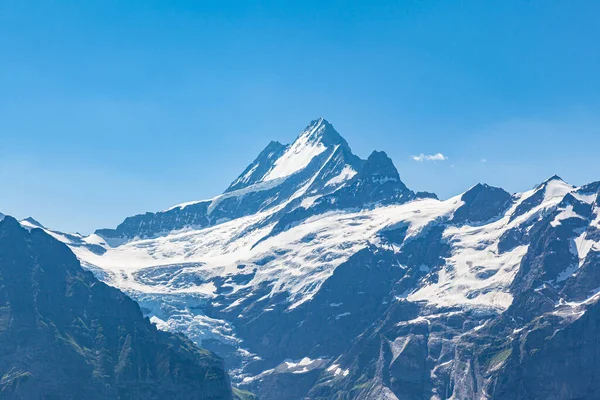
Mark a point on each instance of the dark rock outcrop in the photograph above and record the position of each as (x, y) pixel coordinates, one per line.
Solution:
(65, 335)
(482, 203)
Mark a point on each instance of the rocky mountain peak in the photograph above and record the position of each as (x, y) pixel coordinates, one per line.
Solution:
(9, 225)
(379, 168)
(30, 221)
(554, 179)
(320, 130)
(482, 203)
(278, 161)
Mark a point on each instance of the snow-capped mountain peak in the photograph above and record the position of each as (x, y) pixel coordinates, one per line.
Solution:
(313, 256)
(317, 163)
(552, 178)
(300, 153)
(277, 161)
(31, 222)
(321, 130)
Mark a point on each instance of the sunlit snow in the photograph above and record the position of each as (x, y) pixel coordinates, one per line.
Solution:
(299, 154)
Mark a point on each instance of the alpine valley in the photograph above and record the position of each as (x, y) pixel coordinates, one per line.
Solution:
(320, 275)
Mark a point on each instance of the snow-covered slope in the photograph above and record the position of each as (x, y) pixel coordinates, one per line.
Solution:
(477, 272)
(297, 261)
(312, 256)
(297, 156)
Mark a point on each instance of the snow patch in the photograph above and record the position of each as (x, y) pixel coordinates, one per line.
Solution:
(346, 174)
(307, 202)
(336, 370)
(342, 315)
(476, 273)
(565, 214)
(306, 147)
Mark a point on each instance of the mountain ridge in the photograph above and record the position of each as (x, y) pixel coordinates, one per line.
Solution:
(338, 280)
(319, 160)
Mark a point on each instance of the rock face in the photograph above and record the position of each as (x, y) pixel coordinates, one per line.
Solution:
(482, 203)
(544, 364)
(318, 275)
(65, 335)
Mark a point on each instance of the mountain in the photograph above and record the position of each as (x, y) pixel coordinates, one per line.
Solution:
(64, 334)
(318, 162)
(319, 275)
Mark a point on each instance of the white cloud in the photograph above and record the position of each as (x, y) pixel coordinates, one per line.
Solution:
(483, 160)
(430, 157)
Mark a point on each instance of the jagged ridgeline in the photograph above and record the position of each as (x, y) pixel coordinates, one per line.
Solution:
(321, 275)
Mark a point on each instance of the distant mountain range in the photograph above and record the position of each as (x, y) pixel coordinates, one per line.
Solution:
(320, 275)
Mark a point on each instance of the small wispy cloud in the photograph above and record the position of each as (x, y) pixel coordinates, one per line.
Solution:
(483, 160)
(429, 157)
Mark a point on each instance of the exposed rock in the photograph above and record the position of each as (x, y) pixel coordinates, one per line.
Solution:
(64, 334)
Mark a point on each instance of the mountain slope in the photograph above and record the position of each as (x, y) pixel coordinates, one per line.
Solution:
(63, 334)
(319, 275)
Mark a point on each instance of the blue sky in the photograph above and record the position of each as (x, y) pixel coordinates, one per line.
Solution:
(109, 109)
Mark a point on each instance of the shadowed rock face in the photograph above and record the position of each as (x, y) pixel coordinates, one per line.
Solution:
(554, 364)
(65, 335)
(259, 167)
(378, 182)
(482, 203)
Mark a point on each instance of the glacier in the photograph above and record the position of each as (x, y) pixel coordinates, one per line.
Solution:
(314, 260)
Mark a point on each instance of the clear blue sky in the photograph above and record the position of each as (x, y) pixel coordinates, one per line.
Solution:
(110, 108)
